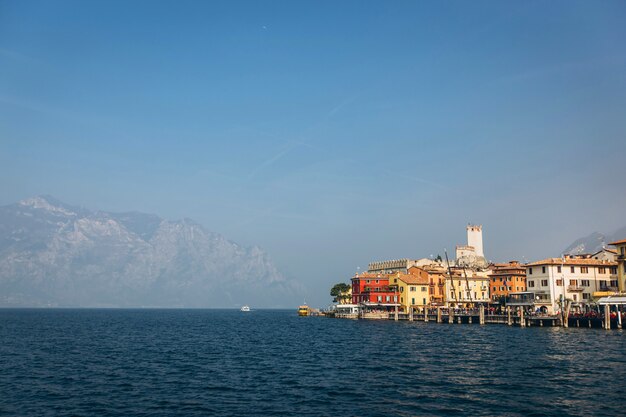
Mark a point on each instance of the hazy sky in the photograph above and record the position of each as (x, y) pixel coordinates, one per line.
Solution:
(329, 133)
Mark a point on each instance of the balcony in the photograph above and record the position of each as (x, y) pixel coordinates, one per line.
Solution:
(542, 299)
(621, 257)
(574, 288)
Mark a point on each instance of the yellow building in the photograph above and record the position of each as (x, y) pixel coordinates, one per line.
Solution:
(620, 245)
(412, 289)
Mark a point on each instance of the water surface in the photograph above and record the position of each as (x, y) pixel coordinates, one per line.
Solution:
(262, 363)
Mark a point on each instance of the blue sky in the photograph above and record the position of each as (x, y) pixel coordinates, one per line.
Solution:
(329, 133)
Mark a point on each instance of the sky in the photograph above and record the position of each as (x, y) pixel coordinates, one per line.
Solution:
(329, 133)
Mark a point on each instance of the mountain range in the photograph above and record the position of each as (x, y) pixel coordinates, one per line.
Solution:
(594, 242)
(54, 254)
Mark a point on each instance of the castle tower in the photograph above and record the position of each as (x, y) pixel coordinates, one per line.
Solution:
(475, 238)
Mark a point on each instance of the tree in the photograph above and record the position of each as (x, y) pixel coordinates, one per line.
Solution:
(338, 291)
(438, 258)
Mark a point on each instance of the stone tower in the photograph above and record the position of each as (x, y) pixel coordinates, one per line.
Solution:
(475, 238)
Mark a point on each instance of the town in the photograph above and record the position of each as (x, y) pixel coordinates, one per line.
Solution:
(581, 290)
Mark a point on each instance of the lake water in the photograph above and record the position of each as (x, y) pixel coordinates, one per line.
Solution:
(268, 363)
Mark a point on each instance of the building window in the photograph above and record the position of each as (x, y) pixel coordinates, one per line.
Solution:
(613, 270)
(559, 282)
(558, 269)
(602, 270)
(574, 297)
(572, 269)
(376, 281)
(451, 294)
(613, 283)
(584, 270)
(586, 296)
(573, 282)
(380, 298)
(412, 289)
(413, 301)
(530, 271)
(543, 269)
(531, 284)
(544, 282)
(584, 282)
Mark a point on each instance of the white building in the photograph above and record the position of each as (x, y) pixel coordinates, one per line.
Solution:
(577, 278)
(466, 288)
(472, 255)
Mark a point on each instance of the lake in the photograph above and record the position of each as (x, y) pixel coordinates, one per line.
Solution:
(269, 362)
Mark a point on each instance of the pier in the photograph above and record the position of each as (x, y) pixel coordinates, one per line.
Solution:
(478, 316)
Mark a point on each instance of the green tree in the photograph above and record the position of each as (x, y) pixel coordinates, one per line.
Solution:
(338, 291)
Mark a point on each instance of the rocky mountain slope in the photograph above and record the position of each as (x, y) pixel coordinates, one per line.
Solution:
(594, 242)
(52, 254)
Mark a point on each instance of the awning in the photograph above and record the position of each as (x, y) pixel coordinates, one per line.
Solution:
(613, 300)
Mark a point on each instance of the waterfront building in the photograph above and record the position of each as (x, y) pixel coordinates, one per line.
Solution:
(620, 245)
(506, 278)
(369, 288)
(412, 289)
(436, 284)
(579, 278)
(467, 288)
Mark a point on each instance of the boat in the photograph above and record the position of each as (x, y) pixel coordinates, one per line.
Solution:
(304, 310)
(245, 308)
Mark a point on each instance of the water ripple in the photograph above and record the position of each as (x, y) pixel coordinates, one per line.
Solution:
(212, 362)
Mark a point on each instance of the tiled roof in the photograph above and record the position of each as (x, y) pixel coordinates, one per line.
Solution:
(619, 242)
(570, 261)
(413, 279)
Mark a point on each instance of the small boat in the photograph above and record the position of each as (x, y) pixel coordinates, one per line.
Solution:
(245, 308)
(304, 310)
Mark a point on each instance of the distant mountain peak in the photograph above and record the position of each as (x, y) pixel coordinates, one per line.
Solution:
(53, 254)
(46, 203)
(594, 242)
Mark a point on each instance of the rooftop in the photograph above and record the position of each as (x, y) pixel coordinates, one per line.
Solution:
(573, 261)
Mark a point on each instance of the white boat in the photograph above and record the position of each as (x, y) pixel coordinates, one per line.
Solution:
(245, 308)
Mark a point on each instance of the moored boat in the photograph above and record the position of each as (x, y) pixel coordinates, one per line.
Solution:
(304, 310)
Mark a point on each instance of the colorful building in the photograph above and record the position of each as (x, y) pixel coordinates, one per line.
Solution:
(412, 289)
(368, 288)
(436, 284)
(506, 278)
(620, 245)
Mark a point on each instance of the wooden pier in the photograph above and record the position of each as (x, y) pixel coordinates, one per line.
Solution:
(473, 318)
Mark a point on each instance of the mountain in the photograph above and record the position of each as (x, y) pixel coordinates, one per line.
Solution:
(595, 242)
(54, 254)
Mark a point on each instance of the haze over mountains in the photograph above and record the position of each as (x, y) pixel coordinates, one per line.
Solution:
(595, 242)
(53, 254)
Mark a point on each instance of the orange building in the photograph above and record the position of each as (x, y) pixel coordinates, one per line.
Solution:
(506, 278)
(436, 284)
